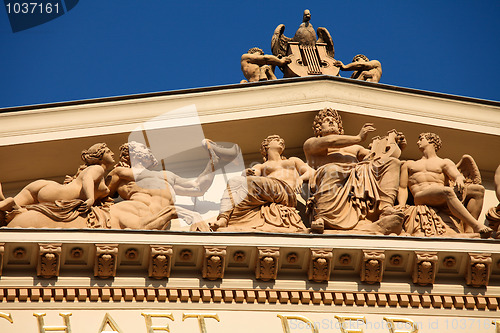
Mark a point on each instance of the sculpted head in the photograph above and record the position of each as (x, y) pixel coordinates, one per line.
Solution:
(264, 147)
(401, 140)
(432, 138)
(256, 50)
(135, 152)
(307, 16)
(326, 122)
(96, 154)
(360, 58)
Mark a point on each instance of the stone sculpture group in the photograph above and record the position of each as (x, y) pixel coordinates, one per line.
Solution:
(308, 52)
(352, 190)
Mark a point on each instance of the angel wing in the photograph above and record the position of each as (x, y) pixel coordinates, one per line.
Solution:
(279, 42)
(324, 37)
(468, 167)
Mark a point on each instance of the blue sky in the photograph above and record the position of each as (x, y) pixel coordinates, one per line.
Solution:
(117, 47)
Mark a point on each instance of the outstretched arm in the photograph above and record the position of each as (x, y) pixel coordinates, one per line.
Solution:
(196, 187)
(265, 59)
(359, 66)
(320, 144)
(403, 185)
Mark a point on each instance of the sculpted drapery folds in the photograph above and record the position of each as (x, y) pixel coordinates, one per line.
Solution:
(63, 202)
(432, 181)
(149, 195)
(265, 199)
(353, 187)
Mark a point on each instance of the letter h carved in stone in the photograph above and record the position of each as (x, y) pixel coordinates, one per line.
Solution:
(266, 267)
(478, 269)
(320, 265)
(160, 261)
(106, 258)
(214, 262)
(372, 266)
(49, 260)
(425, 268)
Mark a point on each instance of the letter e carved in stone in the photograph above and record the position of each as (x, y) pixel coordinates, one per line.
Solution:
(214, 261)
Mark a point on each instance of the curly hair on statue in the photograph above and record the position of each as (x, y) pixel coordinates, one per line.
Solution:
(326, 112)
(362, 56)
(432, 138)
(265, 145)
(91, 156)
(133, 151)
(256, 49)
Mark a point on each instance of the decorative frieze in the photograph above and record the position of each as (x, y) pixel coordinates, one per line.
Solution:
(266, 267)
(248, 296)
(214, 261)
(372, 266)
(49, 260)
(106, 259)
(424, 267)
(320, 265)
(478, 269)
(160, 261)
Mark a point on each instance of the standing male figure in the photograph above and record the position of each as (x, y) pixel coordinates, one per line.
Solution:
(364, 69)
(428, 180)
(347, 188)
(256, 66)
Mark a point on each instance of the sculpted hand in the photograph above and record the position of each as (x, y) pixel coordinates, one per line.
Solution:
(367, 128)
(85, 206)
(338, 63)
(459, 184)
(287, 60)
(298, 187)
(249, 172)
